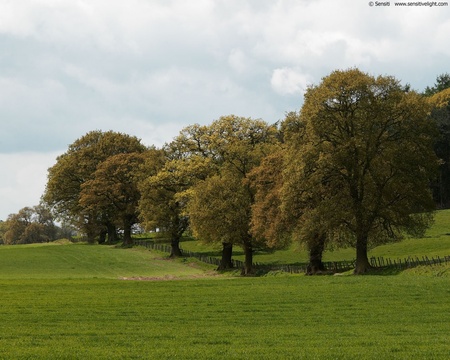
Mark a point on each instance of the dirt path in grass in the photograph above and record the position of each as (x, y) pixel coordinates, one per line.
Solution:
(172, 277)
(168, 277)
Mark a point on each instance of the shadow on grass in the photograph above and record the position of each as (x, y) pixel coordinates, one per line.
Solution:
(384, 271)
(274, 267)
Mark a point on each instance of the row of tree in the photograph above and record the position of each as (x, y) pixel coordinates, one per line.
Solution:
(32, 225)
(352, 168)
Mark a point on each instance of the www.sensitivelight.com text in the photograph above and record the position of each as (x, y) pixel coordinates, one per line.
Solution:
(412, 3)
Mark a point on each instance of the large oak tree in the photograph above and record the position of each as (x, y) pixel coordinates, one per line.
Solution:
(220, 205)
(367, 154)
(161, 205)
(77, 166)
(439, 98)
(281, 219)
(113, 191)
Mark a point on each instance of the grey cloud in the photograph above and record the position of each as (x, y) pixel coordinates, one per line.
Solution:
(150, 68)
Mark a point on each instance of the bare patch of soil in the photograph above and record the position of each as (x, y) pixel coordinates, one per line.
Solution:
(170, 277)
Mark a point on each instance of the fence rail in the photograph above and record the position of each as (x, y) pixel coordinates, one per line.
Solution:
(408, 262)
(332, 266)
(152, 245)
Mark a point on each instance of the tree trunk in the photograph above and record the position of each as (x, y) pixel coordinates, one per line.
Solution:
(90, 228)
(127, 240)
(175, 251)
(248, 262)
(90, 234)
(316, 249)
(227, 252)
(102, 237)
(362, 261)
(112, 233)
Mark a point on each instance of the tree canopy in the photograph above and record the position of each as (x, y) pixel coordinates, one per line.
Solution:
(30, 225)
(439, 99)
(160, 205)
(77, 166)
(366, 155)
(219, 208)
(442, 83)
(113, 191)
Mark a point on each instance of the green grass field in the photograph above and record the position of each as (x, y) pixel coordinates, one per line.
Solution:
(79, 261)
(100, 302)
(397, 317)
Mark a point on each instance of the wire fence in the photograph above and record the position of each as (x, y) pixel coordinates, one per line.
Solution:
(330, 266)
(333, 266)
(409, 262)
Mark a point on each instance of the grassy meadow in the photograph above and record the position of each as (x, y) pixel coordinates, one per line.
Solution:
(75, 301)
(79, 261)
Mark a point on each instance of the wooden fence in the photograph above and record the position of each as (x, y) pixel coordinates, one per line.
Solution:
(154, 246)
(204, 258)
(331, 266)
(334, 266)
(409, 262)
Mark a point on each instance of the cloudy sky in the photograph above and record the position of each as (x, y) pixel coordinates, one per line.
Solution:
(151, 67)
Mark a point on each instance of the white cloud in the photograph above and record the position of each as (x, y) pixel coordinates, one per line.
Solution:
(239, 61)
(440, 38)
(23, 180)
(151, 67)
(288, 81)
